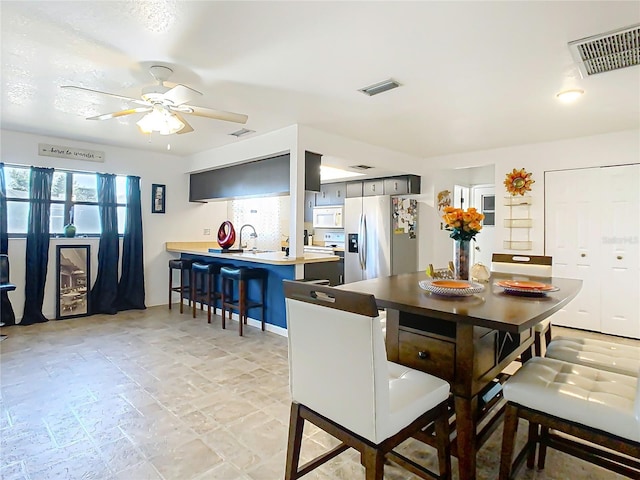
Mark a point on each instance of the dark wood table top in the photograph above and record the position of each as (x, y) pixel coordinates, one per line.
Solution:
(491, 308)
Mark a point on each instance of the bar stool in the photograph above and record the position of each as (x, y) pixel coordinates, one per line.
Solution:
(242, 276)
(183, 265)
(203, 286)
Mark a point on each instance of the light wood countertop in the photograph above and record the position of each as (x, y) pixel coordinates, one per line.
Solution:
(271, 258)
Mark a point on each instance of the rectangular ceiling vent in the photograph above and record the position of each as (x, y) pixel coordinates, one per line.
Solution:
(360, 167)
(608, 51)
(377, 88)
(241, 132)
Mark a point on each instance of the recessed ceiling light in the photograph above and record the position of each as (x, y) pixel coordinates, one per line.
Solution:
(379, 87)
(568, 96)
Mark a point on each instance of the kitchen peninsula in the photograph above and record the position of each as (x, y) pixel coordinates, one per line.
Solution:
(278, 265)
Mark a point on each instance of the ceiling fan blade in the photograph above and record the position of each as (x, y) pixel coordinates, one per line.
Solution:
(181, 94)
(121, 113)
(187, 128)
(122, 97)
(218, 114)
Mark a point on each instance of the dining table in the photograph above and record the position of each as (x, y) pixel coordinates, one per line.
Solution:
(467, 338)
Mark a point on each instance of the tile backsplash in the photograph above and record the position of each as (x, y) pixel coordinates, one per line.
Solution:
(268, 215)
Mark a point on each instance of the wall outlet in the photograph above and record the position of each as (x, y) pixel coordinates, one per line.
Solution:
(207, 231)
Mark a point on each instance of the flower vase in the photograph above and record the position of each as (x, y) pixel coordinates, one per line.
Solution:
(462, 258)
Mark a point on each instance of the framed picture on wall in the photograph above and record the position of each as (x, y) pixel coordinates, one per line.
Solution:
(157, 198)
(73, 278)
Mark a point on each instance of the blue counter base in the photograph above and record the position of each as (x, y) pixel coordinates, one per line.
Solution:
(275, 309)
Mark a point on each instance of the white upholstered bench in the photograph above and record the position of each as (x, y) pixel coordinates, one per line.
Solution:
(603, 355)
(599, 407)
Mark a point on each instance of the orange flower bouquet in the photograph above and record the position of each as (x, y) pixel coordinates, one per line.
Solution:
(463, 225)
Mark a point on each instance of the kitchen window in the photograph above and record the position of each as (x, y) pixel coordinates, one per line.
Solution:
(70, 191)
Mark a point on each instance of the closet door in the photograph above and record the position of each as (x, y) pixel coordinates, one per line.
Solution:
(592, 231)
(620, 244)
(572, 238)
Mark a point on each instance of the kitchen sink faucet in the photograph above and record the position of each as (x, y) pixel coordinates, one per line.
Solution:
(252, 235)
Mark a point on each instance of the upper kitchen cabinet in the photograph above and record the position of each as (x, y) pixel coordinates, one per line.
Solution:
(354, 189)
(331, 194)
(309, 203)
(269, 176)
(403, 185)
(373, 187)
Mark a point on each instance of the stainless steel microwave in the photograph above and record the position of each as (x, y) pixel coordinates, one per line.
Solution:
(328, 217)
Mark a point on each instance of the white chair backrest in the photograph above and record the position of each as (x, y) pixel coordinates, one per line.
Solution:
(337, 358)
(530, 265)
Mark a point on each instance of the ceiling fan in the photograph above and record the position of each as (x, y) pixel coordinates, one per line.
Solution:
(164, 106)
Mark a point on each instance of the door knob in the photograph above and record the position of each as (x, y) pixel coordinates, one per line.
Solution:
(619, 257)
(583, 255)
(423, 355)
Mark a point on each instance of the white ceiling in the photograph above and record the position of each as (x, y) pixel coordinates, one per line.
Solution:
(474, 75)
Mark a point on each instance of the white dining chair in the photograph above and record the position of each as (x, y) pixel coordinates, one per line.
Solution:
(589, 413)
(527, 266)
(341, 381)
(601, 354)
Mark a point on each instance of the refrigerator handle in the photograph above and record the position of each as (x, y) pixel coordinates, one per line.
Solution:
(360, 237)
(364, 242)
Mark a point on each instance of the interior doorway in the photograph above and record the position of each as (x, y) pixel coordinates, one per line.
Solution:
(483, 198)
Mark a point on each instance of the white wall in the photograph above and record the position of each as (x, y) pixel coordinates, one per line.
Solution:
(183, 221)
(252, 148)
(619, 148)
(439, 173)
(268, 145)
(333, 145)
(186, 222)
(436, 247)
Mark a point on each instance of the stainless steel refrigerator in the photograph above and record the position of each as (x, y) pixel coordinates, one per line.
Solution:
(378, 242)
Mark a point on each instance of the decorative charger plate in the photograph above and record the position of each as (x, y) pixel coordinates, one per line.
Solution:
(449, 284)
(451, 288)
(526, 288)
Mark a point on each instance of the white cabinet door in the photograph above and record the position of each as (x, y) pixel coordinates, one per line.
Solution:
(620, 258)
(572, 238)
(592, 231)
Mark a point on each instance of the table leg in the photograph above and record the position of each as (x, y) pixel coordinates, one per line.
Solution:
(466, 403)
(466, 436)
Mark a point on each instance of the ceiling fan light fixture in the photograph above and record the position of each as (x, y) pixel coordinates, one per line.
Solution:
(160, 120)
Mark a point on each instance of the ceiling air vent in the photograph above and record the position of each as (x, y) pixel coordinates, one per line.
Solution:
(608, 51)
(379, 87)
(242, 132)
(360, 167)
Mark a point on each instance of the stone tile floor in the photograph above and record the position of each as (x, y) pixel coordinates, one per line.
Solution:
(155, 395)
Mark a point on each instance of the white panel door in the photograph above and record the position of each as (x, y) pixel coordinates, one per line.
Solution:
(572, 238)
(620, 257)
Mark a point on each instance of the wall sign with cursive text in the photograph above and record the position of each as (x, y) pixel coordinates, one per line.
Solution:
(46, 150)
